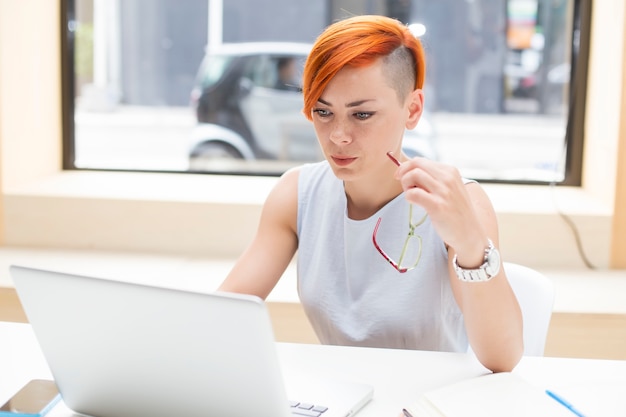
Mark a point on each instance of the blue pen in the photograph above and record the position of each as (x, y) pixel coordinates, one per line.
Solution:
(563, 402)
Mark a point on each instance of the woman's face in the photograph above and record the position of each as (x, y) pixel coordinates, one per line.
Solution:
(359, 118)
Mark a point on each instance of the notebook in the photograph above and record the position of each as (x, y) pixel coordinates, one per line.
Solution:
(490, 395)
(118, 349)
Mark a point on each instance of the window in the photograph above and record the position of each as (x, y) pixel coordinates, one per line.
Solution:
(195, 87)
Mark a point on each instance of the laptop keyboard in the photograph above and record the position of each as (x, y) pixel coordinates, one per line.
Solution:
(306, 409)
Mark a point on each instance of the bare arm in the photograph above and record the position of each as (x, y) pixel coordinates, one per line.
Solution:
(264, 261)
(465, 219)
(492, 315)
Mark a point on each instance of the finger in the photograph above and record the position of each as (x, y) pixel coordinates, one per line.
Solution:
(415, 178)
(441, 178)
(418, 175)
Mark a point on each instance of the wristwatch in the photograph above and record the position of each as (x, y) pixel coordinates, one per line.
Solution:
(489, 268)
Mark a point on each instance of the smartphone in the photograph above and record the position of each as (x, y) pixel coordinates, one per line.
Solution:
(35, 399)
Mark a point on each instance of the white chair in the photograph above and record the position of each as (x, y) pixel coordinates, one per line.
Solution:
(535, 295)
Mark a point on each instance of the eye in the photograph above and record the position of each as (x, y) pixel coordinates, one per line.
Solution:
(322, 112)
(362, 115)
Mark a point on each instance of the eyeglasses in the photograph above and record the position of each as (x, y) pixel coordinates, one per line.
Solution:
(412, 248)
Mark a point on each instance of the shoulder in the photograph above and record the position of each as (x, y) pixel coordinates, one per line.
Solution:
(300, 176)
(294, 190)
(281, 205)
(479, 197)
(286, 188)
(475, 189)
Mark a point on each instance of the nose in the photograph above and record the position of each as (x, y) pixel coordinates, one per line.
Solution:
(339, 134)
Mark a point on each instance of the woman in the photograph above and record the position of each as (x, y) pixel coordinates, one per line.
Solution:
(392, 251)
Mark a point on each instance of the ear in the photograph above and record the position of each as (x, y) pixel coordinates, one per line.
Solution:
(415, 103)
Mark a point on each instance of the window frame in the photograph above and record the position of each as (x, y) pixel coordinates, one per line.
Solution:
(68, 148)
(575, 119)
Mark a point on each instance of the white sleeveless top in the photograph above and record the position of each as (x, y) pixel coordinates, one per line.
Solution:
(350, 293)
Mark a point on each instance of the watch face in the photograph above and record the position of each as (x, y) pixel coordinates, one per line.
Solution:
(493, 262)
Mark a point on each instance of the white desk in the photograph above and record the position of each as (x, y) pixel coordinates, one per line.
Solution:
(596, 387)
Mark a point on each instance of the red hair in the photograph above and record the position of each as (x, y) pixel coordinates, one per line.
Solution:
(357, 41)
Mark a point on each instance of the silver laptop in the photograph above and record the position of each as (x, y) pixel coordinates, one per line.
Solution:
(118, 349)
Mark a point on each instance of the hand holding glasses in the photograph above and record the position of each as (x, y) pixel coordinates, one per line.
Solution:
(412, 248)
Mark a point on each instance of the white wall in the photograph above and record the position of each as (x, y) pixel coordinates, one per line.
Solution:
(215, 216)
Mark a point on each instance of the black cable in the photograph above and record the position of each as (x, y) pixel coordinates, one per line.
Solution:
(574, 85)
(572, 226)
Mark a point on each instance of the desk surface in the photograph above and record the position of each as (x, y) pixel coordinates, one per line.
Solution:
(596, 387)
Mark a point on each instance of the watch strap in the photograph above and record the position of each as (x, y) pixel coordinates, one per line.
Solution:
(484, 272)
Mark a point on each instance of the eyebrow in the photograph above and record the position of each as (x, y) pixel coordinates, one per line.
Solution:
(353, 104)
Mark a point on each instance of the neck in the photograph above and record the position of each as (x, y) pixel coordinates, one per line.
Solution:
(366, 197)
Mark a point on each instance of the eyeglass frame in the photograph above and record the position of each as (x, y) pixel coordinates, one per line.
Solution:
(410, 234)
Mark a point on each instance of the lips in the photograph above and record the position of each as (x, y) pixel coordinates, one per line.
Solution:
(343, 160)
